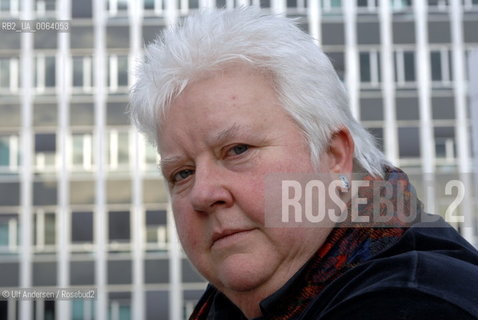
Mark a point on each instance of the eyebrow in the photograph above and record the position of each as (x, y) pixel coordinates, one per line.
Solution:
(218, 138)
(164, 162)
(227, 134)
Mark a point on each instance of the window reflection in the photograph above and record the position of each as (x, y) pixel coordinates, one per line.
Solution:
(9, 234)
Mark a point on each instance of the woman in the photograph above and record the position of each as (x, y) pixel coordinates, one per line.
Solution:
(231, 98)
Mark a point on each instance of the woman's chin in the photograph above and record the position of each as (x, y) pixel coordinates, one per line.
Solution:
(242, 273)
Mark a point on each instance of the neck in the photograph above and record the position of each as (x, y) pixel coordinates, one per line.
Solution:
(248, 301)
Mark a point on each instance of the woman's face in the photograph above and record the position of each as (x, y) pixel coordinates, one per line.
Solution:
(219, 140)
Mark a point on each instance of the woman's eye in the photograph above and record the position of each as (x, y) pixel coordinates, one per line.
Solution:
(238, 149)
(181, 175)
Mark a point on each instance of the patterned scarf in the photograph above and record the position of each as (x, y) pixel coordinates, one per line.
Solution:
(344, 248)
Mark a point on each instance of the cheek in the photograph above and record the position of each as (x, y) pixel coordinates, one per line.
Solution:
(250, 196)
(188, 230)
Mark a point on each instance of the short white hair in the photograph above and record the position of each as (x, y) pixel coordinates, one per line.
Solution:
(302, 76)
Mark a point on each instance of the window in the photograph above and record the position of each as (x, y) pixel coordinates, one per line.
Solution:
(401, 5)
(470, 4)
(9, 153)
(45, 150)
(445, 146)
(9, 74)
(81, 230)
(154, 7)
(119, 306)
(82, 151)
(118, 72)
(299, 5)
(331, 6)
(438, 5)
(45, 72)
(409, 142)
(9, 232)
(193, 4)
(44, 233)
(441, 72)
(370, 67)
(117, 7)
(10, 7)
(118, 149)
(156, 229)
(338, 60)
(367, 5)
(45, 7)
(119, 227)
(82, 309)
(404, 63)
(82, 73)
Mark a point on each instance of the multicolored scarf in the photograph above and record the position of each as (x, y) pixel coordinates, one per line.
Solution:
(344, 249)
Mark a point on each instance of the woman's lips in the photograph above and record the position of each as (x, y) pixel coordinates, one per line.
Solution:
(229, 237)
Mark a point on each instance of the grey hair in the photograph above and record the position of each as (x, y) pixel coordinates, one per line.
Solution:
(303, 77)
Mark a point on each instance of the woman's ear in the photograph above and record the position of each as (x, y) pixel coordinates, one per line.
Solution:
(340, 151)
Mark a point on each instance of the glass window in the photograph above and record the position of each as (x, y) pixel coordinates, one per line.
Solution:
(331, 6)
(378, 135)
(154, 6)
(81, 9)
(45, 192)
(44, 230)
(367, 5)
(470, 4)
(119, 306)
(409, 142)
(82, 309)
(82, 151)
(4, 5)
(445, 146)
(118, 149)
(45, 150)
(9, 153)
(5, 73)
(9, 232)
(149, 4)
(81, 227)
(83, 73)
(338, 60)
(9, 193)
(44, 7)
(45, 69)
(156, 229)
(193, 4)
(118, 72)
(401, 5)
(441, 71)
(44, 309)
(9, 74)
(117, 7)
(370, 67)
(438, 4)
(119, 226)
(404, 63)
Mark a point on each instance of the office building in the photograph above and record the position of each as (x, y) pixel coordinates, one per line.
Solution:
(82, 203)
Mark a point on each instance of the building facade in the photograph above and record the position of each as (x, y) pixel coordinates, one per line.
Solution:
(82, 203)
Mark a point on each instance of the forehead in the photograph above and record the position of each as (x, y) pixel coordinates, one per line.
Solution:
(237, 92)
